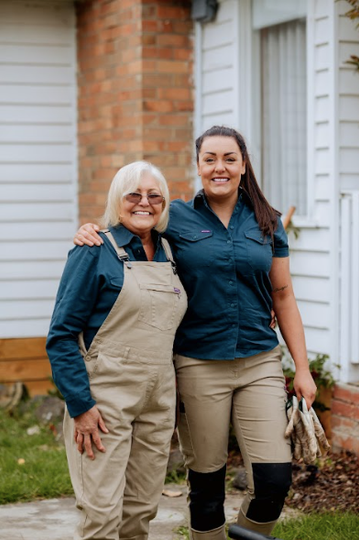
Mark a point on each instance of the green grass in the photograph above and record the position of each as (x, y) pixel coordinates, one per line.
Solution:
(43, 474)
(327, 526)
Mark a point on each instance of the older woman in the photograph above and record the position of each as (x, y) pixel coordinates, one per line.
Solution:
(110, 347)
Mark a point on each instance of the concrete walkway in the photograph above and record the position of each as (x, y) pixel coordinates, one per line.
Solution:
(55, 519)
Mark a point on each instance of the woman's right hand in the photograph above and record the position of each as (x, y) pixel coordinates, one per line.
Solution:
(87, 235)
(86, 432)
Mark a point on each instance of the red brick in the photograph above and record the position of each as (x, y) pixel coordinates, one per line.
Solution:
(129, 109)
(171, 67)
(346, 393)
(158, 106)
(171, 12)
(345, 409)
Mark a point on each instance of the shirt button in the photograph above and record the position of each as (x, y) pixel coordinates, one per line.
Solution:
(233, 325)
(230, 282)
(233, 305)
(231, 227)
(229, 241)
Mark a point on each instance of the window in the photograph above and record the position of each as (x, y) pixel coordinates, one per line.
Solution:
(281, 38)
(283, 104)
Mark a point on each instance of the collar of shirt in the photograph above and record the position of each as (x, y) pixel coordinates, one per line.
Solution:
(124, 236)
(200, 198)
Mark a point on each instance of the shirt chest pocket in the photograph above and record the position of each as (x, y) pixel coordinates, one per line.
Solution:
(259, 250)
(160, 306)
(197, 247)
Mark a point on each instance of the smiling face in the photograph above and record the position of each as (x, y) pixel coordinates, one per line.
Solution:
(141, 217)
(220, 165)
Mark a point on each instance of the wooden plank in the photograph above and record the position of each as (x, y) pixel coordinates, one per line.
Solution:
(42, 134)
(24, 370)
(346, 50)
(306, 263)
(36, 250)
(321, 135)
(349, 159)
(50, 94)
(221, 102)
(47, 35)
(321, 31)
(20, 310)
(36, 289)
(37, 14)
(321, 57)
(36, 153)
(20, 270)
(61, 192)
(321, 83)
(35, 54)
(38, 173)
(311, 289)
(311, 240)
(36, 114)
(321, 108)
(219, 80)
(218, 35)
(349, 133)
(220, 58)
(24, 328)
(15, 349)
(39, 388)
(349, 108)
(47, 211)
(36, 74)
(346, 29)
(50, 231)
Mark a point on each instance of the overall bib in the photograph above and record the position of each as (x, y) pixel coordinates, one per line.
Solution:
(132, 379)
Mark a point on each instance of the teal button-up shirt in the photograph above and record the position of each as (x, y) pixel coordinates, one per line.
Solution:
(225, 272)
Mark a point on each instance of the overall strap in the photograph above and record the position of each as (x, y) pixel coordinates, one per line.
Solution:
(169, 255)
(121, 253)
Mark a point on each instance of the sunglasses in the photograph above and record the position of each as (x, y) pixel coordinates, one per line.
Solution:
(153, 198)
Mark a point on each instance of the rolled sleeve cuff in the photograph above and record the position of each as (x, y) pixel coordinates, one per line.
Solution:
(77, 405)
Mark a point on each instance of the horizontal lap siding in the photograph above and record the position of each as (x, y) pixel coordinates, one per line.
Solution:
(218, 69)
(38, 212)
(348, 106)
(310, 253)
(38, 176)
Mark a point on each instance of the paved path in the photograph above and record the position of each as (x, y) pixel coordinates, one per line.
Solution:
(55, 519)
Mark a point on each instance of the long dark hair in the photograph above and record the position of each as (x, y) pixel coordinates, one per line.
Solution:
(265, 214)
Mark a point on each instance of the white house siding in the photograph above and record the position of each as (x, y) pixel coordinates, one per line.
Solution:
(38, 171)
(348, 172)
(311, 264)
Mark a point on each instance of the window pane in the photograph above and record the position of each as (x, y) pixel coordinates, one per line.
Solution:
(283, 61)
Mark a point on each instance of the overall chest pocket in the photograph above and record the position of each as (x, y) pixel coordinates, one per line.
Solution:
(259, 250)
(160, 306)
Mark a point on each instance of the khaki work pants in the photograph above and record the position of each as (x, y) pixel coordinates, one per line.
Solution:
(250, 393)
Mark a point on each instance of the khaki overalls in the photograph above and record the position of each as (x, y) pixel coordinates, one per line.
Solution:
(132, 379)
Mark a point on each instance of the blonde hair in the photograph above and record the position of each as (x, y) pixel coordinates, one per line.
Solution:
(126, 180)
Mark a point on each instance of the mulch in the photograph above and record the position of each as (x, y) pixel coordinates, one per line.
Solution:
(332, 485)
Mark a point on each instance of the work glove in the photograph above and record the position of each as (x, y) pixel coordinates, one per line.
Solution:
(308, 437)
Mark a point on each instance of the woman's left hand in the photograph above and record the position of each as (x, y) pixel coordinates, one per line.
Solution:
(304, 386)
(87, 426)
